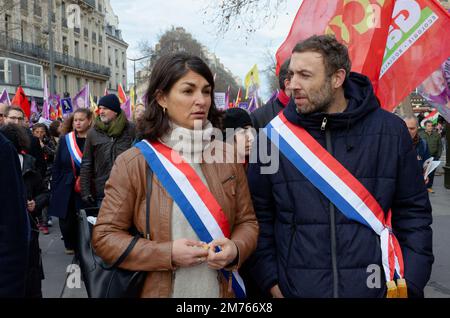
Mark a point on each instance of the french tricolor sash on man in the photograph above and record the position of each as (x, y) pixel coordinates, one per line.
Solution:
(343, 190)
(74, 150)
(197, 203)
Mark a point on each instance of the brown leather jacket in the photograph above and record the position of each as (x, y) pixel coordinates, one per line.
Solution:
(124, 205)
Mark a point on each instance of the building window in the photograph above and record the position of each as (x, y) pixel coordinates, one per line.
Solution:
(37, 35)
(65, 84)
(93, 55)
(2, 71)
(77, 49)
(24, 5)
(7, 19)
(33, 76)
(100, 60)
(37, 8)
(16, 73)
(86, 52)
(78, 84)
(65, 47)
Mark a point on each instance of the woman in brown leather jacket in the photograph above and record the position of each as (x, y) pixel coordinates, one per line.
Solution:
(181, 260)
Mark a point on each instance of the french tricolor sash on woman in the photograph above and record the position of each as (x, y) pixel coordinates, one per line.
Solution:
(197, 203)
(74, 150)
(343, 190)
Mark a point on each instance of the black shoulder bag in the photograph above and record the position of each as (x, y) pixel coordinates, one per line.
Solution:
(110, 281)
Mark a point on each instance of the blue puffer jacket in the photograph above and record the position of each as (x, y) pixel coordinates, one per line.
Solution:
(308, 246)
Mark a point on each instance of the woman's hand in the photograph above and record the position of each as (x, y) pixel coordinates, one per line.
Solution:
(187, 253)
(227, 254)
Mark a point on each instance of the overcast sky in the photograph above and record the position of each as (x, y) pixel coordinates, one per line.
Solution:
(147, 20)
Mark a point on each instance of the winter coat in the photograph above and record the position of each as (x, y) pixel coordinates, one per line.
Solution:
(100, 152)
(36, 190)
(124, 206)
(14, 223)
(63, 181)
(434, 143)
(306, 245)
(263, 115)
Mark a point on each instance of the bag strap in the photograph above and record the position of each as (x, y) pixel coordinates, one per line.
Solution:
(147, 201)
(147, 225)
(73, 167)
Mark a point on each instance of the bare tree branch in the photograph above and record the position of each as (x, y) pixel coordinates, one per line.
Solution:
(245, 15)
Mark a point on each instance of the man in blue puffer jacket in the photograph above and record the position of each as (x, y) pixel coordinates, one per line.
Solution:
(306, 246)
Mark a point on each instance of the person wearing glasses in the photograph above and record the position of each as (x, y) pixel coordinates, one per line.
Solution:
(15, 115)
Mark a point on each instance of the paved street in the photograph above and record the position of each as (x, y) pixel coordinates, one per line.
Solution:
(56, 262)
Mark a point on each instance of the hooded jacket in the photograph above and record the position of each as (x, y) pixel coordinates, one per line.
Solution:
(306, 245)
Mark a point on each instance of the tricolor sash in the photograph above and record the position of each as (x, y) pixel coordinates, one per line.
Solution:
(343, 190)
(197, 203)
(74, 150)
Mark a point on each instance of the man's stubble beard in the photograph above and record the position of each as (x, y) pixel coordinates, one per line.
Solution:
(319, 102)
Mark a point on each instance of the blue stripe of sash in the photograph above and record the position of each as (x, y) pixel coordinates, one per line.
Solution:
(185, 206)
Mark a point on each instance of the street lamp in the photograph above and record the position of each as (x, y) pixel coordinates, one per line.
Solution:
(134, 67)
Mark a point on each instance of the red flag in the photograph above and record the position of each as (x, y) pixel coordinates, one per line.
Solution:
(361, 25)
(121, 94)
(20, 99)
(418, 43)
(401, 32)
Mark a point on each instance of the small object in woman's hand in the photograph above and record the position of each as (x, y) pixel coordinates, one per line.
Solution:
(205, 246)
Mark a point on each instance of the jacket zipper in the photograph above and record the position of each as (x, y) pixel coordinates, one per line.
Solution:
(232, 177)
(332, 218)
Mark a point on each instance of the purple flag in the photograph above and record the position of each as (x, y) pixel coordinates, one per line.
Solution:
(126, 107)
(273, 97)
(34, 109)
(4, 98)
(81, 100)
(253, 104)
(436, 90)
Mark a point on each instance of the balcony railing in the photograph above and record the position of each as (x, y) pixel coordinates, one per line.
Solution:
(13, 45)
(90, 3)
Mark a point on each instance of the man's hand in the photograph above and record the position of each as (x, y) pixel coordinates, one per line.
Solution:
(276, 292)
(89, 200)
(187, 253)
(227, 254)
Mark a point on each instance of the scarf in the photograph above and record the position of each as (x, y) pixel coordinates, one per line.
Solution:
(283, 98)
(189, 143)
(114, 128)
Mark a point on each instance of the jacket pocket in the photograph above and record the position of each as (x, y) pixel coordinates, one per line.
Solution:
(229, 189)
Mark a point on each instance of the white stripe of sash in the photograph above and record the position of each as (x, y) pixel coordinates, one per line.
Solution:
(192, 196)
(328, 175)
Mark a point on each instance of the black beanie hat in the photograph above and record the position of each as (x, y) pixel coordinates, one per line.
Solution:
(236, 118)
(110, 101)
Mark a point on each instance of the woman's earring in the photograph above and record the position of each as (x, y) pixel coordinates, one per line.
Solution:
(164, 111)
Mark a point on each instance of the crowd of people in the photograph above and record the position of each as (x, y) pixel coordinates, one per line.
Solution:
(349, 181)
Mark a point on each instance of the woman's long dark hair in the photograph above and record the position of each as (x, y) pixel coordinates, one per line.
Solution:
(166, 72)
